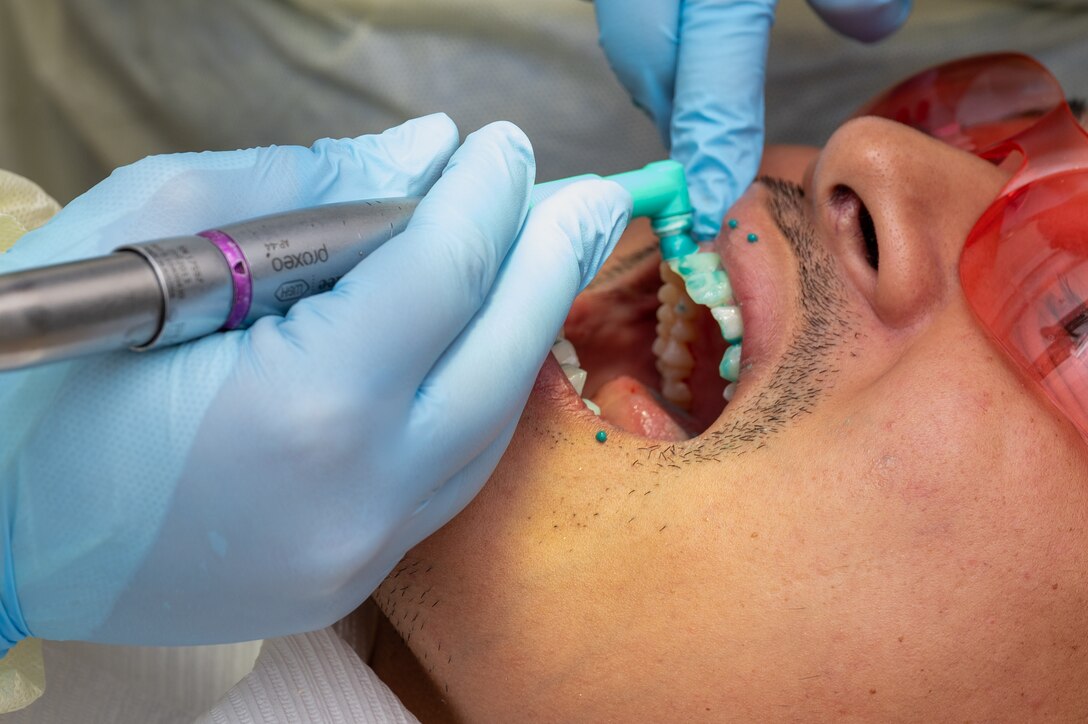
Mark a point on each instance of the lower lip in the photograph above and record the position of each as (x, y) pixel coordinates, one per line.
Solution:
(552, 383)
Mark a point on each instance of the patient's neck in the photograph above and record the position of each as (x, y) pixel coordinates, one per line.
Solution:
(397, 666)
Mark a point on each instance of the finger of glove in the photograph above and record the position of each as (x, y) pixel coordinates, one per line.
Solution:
(454, 494)
(177, 194)
(864, 20)
(640, 39)
(484, 378)
(717, 125)
(395, 313)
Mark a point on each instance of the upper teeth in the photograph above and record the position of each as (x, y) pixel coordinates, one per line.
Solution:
(728, 318)
(730, 366)
(704, 278)
(704, 282)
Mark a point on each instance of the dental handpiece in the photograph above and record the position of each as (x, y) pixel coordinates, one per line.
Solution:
(152, 294)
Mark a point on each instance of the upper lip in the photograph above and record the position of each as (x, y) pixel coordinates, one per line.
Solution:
(751, 288)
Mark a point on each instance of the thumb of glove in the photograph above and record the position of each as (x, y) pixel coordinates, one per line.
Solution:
(864, 20)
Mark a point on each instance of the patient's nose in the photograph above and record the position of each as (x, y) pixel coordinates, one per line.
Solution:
(895, 207)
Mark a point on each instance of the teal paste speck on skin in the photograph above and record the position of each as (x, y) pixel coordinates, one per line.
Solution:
(602, 436)
(733, 223)
(752, 238)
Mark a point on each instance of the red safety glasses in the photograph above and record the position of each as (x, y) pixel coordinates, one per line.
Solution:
(1024, 267)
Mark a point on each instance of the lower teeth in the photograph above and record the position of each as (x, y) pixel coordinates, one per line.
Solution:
(567, 357)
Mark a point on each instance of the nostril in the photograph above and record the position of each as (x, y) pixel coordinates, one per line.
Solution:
(868, 236)
(853, 218)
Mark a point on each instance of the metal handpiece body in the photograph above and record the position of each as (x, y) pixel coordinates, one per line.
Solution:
(169, 291)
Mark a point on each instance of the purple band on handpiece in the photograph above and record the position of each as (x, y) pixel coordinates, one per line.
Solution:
(239, 271)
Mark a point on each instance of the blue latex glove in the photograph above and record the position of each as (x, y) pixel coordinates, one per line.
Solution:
(260, 482)
(698, 68)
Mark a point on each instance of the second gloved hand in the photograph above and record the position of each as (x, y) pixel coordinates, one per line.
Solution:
(263, 481)
(698, 67)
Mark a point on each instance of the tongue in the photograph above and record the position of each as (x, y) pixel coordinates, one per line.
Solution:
(632, 406)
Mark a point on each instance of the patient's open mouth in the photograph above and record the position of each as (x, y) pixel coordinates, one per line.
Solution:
(641, 353)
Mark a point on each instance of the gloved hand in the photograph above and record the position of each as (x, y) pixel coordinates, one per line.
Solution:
(263, 481)
(698, 68)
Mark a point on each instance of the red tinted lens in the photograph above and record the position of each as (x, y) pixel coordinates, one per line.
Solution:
(1025, 273)
(972, 103)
